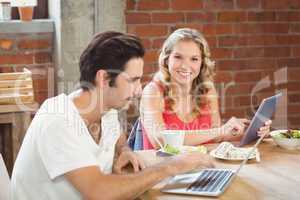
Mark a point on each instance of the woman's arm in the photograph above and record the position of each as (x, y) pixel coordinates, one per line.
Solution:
(151, 109)
(197, 137)
(214, 106)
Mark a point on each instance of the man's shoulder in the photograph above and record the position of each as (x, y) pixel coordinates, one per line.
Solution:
(56, 110)
(59, 105)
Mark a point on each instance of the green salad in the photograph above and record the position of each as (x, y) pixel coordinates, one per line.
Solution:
(292, 134)
(170, 149)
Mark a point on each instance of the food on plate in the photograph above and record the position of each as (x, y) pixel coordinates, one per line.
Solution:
(170, 149)
(287, 139)
(228, 151)
(289, 134)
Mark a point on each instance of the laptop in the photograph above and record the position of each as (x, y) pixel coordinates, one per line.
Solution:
(207, 182)
(213, 182)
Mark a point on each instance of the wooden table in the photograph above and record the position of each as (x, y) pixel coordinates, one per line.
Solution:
(276, 177)
(18, 118)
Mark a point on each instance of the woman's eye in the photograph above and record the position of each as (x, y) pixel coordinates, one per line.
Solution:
(177, 57)
(195, 59)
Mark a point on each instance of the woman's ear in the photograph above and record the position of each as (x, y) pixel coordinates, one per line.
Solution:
(101, 79)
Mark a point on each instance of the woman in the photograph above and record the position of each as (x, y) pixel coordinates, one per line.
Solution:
(182, 95)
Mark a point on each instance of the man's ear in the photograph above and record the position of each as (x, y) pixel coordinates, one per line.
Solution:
(101, 78)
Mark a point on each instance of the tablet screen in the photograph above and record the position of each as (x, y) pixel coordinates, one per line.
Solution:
(263, 114)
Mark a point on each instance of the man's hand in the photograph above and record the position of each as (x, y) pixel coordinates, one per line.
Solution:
(187, 162)
(125, 158)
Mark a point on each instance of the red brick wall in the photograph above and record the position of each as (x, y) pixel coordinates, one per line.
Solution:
(30, 50)
(249, 39)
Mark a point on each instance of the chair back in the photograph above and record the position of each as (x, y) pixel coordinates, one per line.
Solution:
(4, 181)
(135, 139)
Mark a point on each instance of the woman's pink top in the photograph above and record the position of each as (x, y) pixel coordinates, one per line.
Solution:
(172, 121)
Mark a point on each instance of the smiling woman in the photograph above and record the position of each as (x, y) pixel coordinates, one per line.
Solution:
(182, 94)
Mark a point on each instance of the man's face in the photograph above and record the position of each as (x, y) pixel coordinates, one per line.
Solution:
(127, 84)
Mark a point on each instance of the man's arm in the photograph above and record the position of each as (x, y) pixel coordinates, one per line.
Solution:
(122, 145)
(94, 185)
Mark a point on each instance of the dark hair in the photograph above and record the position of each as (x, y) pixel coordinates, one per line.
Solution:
(108, 51)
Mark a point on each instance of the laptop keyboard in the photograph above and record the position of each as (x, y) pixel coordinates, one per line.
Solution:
(211, 180)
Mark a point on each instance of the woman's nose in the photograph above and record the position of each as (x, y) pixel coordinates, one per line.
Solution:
(185, 64)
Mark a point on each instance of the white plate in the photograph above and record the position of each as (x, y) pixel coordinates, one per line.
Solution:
(235, 156)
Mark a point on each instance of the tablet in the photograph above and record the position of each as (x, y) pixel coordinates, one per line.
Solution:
(263, 114)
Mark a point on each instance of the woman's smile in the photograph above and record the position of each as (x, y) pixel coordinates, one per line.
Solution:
(184, 74)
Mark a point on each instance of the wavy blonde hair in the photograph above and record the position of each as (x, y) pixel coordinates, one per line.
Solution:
(203, 82)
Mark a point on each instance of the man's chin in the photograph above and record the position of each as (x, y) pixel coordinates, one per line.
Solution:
(125, 106)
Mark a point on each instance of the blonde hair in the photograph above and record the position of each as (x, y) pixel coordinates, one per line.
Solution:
(203, 82)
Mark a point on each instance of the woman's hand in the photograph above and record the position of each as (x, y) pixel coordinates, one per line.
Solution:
(265, 130)
(234, 129)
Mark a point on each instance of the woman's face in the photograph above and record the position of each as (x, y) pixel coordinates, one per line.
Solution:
(185, 62)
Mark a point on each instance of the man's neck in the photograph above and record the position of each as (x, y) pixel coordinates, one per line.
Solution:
(91, 108)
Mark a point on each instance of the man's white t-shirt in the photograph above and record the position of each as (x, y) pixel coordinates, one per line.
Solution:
(58, 142)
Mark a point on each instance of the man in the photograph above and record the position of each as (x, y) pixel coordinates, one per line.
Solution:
(66, 155)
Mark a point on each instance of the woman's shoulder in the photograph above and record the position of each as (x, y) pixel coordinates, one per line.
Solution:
(153, 88)
(152, 97)
(212, 95)
(208, 99)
